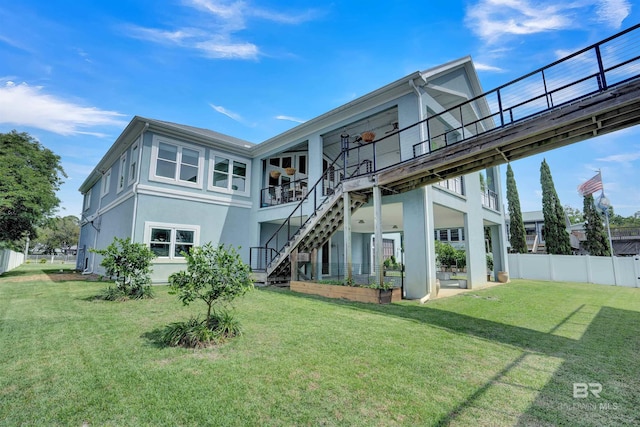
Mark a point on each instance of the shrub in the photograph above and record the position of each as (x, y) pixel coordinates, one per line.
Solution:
(215, 275)
(445, 254)
(129, 264)
(461, 258)
(42, 261)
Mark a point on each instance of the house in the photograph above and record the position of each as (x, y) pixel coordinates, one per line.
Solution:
(173, 186)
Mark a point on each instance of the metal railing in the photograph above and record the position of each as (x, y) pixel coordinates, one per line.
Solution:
(275, 195)
(592, 70)
(490, 199)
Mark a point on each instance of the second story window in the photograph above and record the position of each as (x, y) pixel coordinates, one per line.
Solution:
(177, 164)
(106, 182)
(87, 200)
(229, 175)
(122, 172)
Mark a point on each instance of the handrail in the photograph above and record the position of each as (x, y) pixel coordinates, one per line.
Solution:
(287, 222)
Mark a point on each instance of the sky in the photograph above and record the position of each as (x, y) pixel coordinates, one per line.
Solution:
(74, 73)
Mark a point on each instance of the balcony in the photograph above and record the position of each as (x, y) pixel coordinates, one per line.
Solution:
(490, 200)
(292, 191)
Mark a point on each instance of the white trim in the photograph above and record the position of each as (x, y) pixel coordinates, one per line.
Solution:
(134, 163)
(247, 178)
(180, 145)
(87, 200)
(105, 183)
(148, 225)
(193, 197)
(122, 170)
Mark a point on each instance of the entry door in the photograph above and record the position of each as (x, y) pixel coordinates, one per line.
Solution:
(325, 257)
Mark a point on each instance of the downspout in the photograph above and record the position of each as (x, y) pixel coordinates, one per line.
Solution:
(137, 182)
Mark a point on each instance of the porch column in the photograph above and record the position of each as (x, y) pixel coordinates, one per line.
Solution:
(293, 258)
(419, 246)
(499, 249)
(476, 252)
(314, 264)
(346, 200)
(377, 224)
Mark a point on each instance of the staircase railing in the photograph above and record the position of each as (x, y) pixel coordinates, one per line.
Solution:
(261, 256)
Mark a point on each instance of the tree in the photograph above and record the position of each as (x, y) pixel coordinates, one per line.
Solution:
(575, 215)
(555, 227)
(517, 234)
(30, 175)
(130, 265)
(59, 233)
(597, 243)
(215, 275)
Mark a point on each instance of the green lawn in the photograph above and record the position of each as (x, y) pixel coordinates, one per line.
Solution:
(508, 355)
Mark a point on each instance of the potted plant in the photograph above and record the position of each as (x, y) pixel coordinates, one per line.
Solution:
(368, 136)
(275, 174)
(290, 171)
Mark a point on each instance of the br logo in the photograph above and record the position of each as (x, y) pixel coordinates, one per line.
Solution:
(582, 390)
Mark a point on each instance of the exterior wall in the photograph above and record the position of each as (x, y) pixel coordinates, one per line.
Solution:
(216, 223)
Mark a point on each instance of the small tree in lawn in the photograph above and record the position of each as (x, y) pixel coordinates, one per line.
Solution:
(130, 265)
(215, 275)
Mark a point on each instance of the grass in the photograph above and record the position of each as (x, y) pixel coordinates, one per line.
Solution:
(508, 355)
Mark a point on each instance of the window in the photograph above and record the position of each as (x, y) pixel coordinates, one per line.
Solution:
(133, 164)
(106, 182)
(229, 175)
(170, 241)
(455, 235)
(122, 171)
(176, 164)
(87, 200)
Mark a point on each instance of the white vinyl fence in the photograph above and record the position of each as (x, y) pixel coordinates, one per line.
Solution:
(620, 271)
(10, 260)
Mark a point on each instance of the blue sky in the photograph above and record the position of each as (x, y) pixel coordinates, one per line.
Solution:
(73, 73)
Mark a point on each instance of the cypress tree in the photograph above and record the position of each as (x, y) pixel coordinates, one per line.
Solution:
(597, 243)
(517, 234)
(555, 229)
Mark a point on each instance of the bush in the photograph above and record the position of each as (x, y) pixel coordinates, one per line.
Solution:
(461, 258)
(42, 261)
(129, 264)
(196, 333)
(215, 275)
(445, 254)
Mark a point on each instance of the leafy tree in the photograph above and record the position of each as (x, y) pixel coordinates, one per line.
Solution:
(597, 243)
(575, 215)
(30, 175)
(555, 227)
(517, 233)
(130, 265)
(59, 233)
(215, 275)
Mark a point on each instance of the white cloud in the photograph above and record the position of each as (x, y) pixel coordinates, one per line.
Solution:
(493, 19)
(291, 119)
(213, 34)
(24, 105)
(227, 113)
(484, 67)
(621, 158)
(612, 12)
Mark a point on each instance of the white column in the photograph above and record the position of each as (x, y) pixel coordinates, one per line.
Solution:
(377, 224)
(346, 199)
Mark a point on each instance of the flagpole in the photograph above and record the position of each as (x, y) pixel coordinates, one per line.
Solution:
(606, 220)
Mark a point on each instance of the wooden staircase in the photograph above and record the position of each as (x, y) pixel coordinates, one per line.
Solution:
(314, 233)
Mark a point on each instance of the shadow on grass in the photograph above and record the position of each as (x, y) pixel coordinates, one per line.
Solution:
(154, 338)
(607, 354)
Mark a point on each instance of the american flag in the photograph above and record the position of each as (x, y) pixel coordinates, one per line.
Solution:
(591, 186)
